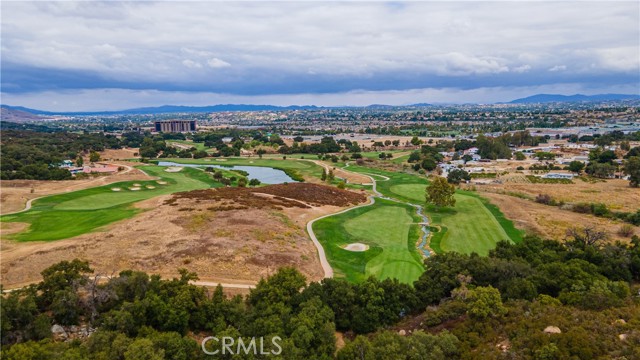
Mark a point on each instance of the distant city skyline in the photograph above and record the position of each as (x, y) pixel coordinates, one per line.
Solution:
(95, 56)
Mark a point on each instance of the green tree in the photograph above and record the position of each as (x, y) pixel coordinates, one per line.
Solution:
(94, 156)
(415, 141)
(143, 349)
(79, 161)
(440, 193)
(242, 182)
(519, 156)
(456, 176)
(576, 166)
(341, 185)
(632, 168)
(330, 176)
(323, 177)
(484, 302)
(254, 182)
(260, 152)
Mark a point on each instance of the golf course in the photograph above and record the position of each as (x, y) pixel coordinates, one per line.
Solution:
(70, 214)
(390, 229)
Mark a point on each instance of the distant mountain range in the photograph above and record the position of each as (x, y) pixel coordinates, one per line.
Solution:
(550, 98)
(17, 113)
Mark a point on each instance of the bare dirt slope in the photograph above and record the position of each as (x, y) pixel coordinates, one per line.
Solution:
(227, 235)
(15, 193)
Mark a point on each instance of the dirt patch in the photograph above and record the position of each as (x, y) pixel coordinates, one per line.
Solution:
(548, 221)
(315, 194)
(119, 154)
(217, 235)
(293, 195)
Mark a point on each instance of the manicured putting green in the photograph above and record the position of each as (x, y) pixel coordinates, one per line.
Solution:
(391, 231)
(71, 214)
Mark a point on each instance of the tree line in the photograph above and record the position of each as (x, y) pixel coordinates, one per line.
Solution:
(478, 300)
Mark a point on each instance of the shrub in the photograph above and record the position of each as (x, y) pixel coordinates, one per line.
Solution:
(599, 210)
(625, 230)
(582, 208)
(544, 199)
(341, 185)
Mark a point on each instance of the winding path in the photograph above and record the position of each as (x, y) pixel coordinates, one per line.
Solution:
(326, 267)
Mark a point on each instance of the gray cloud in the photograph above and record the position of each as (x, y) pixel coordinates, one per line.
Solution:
(233, 46)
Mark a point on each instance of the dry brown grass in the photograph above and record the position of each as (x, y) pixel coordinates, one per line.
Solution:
(550, 222)
(615, 193)
(220, 246)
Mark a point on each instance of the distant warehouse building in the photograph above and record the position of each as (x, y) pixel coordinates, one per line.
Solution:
(175, 126)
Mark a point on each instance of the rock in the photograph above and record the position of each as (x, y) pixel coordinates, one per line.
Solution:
(58, 332)
(623, 337)
(619, 322)
(552, 330)
(402, 333)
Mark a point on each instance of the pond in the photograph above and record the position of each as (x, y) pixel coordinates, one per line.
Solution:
(266, 175)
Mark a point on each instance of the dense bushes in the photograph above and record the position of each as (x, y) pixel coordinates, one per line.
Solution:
(481, 299)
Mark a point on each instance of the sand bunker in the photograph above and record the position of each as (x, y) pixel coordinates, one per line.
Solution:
(115, 189)
(357, 247)
(219, 160)
(150, 187)
(137, 185)
(173, 169)
(134, 188)
(161, 182)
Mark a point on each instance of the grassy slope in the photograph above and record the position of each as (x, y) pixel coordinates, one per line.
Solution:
(389, 228)
(66, 215)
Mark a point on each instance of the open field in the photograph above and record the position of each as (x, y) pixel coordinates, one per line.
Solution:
(551, 222)
(391, 231)
(75, 213)
(220, 237)
(615, 193)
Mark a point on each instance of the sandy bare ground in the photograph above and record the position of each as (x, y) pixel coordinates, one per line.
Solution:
(550, 222)
(235, 246)
(15, 193)
(357, 247)
(119, 154)
(615, 193)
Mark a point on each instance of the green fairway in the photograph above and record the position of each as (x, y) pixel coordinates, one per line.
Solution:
(390, 229)
(468, 227)
(473, 225)
(70, 214)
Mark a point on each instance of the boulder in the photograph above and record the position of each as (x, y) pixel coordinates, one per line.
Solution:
(58, 332)
(402, 333)
(552, 330)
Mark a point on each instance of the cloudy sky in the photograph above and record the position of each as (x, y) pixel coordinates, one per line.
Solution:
(77, 56)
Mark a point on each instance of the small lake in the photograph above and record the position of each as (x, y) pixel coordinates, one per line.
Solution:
(266, 175)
